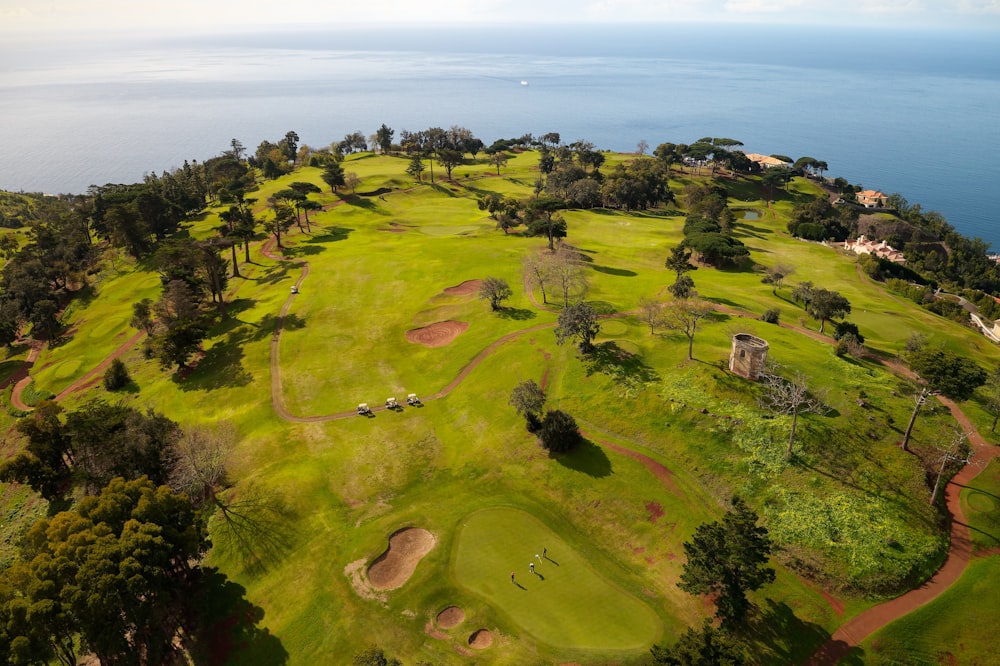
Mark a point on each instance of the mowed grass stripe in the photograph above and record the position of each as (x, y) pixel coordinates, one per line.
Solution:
(572, 606)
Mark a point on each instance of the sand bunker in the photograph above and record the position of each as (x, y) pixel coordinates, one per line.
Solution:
(437, 335)
(465, 289)
(395, 566)
(481, 639)
(450, 617)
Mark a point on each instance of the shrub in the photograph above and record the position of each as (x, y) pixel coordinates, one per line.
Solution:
(116, 377)
(559, 432)
(771, 316)
(847, 328)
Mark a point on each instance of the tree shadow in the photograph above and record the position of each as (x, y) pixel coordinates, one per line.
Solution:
(602, 307)
(620, 272)
(331, 235)
(303, 251)
(777, 636)
(609, 359)
(254, 526)
(220, 367)
(724, 301)
(275, 273)
(223, 626)
(268, 324)
(588, 458)
(517, 314)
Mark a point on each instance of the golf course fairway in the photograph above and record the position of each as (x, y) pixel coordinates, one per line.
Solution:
(566, 603)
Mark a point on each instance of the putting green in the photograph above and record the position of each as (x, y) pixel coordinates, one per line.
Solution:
(566, 603)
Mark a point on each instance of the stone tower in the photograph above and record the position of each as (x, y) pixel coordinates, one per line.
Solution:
(748, 356)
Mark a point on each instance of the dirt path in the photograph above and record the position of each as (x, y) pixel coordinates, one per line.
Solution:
(21, 378)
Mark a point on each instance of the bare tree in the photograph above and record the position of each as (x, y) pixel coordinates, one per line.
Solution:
(651, 312)
(537, 272)
(352, 180)
(566, 267)
(201, 455)
(789, 396)
(684, 316)
(957, 453)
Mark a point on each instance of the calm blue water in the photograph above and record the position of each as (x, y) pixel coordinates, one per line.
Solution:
(914, 113)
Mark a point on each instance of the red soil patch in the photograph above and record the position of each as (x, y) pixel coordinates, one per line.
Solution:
(450, 617)
(395, 566)
(481, 639)
(467, 288)
(655, 511)
(438, 334)
(433, 632)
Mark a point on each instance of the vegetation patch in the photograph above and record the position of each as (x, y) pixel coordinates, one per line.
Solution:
(880, 551)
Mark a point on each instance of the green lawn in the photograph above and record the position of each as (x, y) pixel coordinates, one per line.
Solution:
(566, 602)
(464, 467)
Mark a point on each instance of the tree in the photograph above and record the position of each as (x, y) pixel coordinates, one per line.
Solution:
(774, 177)
(789, 396)
(45, 463)
(383, 137)
(180, 325)
(956, 454)
(679, 260)
(825, 305)
(537, 271)
(566, 269)
(333, 175)
(682, 288)
(684, 316)
(528, 399)
(415, 168)
(282, 221)
(449, 159)
(200, 457)
(495, 290)
(579, 322)
(116, 377)
(499, 159)
(651, 310)
(708, 647)
(374, 656)
(716, 248)
(542, 219)
(558, 432)
(728, 559)
(115, 570)
(142, 316)
(774, 275)
(945, 372)
(352, 180)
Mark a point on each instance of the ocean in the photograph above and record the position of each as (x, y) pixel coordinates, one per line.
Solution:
(911, 112)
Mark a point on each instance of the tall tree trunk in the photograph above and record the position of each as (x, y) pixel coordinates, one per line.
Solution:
(246, 249)
(691, 347)
(791, 436)
(913, 417)
(937, 482)
(236, 268)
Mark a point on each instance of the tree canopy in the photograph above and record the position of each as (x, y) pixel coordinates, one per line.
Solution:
(728, 559)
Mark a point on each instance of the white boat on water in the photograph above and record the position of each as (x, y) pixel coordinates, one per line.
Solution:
(524, 83)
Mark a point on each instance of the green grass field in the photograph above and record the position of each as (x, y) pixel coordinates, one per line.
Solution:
(463, 466)
(565, 602)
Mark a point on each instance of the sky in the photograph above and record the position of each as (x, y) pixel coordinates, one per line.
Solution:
(33, 17)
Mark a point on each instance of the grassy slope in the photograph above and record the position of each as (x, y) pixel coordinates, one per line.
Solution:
(960, 626)
(348, 484)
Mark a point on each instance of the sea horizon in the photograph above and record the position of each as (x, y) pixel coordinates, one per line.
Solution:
(914, 112)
